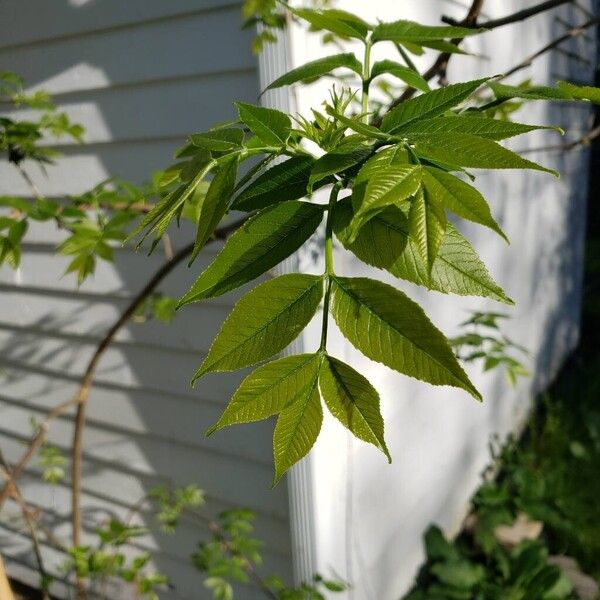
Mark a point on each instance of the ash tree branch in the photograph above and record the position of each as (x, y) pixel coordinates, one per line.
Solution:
(516, 17)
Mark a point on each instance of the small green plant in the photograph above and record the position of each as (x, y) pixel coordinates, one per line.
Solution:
(453, 573)
(484, 341)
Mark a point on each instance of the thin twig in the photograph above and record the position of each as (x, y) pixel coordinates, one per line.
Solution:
(584, 140)
(88, 377)
(42, 430)
(440, 64)
(29, 520)
(572, 33)
(25, 175)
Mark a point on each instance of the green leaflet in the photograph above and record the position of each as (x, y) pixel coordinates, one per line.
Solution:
(340, 22)
(367, 131)
(285, 181)
(271, 126)
(158, 219)
(580, 92)
(257, 246)
(214, 205)
(336, 162)
(298, 427)
(377, 187)
(410, 77)
(429, 105)
(353, 401)
(409, 31)
(509, 92)
(460, 198)
(318, 68)
(269, 389)
(493, 129)
(384, 243)
(388, 327)
(219, 140)
(264, 322)
(472, 152)
(427, 225)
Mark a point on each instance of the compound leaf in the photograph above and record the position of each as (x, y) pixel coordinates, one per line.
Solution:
(410, 77)
(472, 152)
(427, 225)
(384, 243)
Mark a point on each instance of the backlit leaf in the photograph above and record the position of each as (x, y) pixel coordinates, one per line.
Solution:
(493, 129)
(269, 389)
(353, 401)
(388, 327)
(339, 22)
(298, 427)
(410, 77)
(459, 197)
(384, 243)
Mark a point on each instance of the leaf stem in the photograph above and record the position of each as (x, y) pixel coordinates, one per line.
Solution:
(335, 190)
(366, 81)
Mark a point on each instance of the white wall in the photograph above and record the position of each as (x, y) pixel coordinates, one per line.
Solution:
(369, 517)
(140, 75)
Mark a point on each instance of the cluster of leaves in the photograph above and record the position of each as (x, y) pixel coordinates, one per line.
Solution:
(232, 555)
(403, 176)
(107, 561)
(20, 140)
(492, 347)
(270, 16)
(455, 572)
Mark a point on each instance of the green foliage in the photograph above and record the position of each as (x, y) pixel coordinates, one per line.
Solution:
(483, 341)
(393, 182)
(453, 572)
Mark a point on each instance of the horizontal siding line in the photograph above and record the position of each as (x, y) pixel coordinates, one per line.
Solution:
(89, 93)
(274, 515)
(94, 340)
(75, 149)
(101, 296)
(122, 27)
(132, 433)
(135, 544)
(118, 249)
(105, 463)
(106, 385)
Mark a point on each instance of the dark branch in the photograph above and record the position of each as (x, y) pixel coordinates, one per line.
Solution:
(521, 15)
